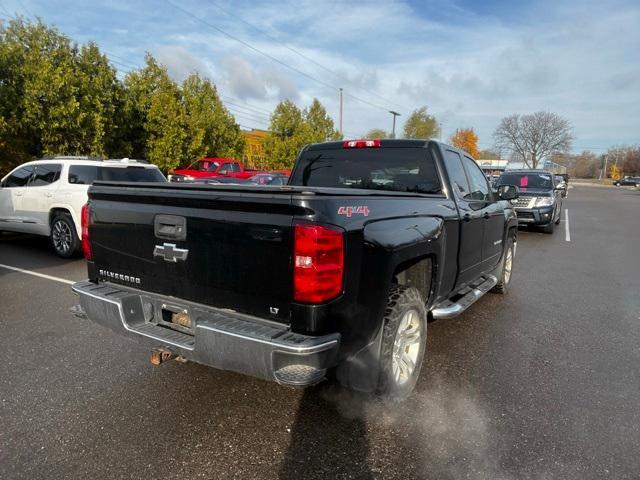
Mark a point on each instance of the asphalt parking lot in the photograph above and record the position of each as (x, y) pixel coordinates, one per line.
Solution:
(542, 383)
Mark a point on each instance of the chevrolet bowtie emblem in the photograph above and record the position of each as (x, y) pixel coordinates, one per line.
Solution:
(170, 253)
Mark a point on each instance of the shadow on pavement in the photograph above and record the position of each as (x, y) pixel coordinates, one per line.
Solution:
(326, 443)
(32, 252)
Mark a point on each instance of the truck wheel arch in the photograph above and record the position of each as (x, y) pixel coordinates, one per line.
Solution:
(418, 273)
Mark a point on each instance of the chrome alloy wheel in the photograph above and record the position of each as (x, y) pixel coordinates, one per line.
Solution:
(406, 347)
(508, 264)
(61, 235)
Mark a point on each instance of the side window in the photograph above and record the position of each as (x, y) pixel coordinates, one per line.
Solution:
(20, 177)
(456, 173)
(83, 174)
(235, 167)
(46, 174)
(479, 188)
(224, 169)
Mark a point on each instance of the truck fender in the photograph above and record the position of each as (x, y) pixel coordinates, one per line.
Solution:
(397, 243)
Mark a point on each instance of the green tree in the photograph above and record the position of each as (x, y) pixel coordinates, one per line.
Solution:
(288, 134)
(54, 98)
(320, 124)
(421, 125)
(100, 95)
(213, 131)
(156, 116)
(377, 133)
(39, 91)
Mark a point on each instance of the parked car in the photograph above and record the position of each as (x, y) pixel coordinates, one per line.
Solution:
(268, 179)
(561, 185)
(540, 200)
(45, 197)
(627, 181)
(213, 168)
(340, 269)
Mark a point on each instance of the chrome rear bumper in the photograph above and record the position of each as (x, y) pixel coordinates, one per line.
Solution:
(219, 338)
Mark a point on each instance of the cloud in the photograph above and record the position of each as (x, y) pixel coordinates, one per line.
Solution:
(242, 79)
(248, 82)
(180, 62)
(470, 62)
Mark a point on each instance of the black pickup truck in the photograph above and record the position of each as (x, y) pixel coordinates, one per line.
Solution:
(339, 271)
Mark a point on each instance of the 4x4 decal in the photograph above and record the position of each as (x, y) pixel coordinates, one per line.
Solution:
(355, 210)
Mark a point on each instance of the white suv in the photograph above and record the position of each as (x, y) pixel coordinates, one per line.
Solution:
(45, 197)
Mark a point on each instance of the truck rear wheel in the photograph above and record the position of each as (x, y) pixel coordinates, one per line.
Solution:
(404, 341)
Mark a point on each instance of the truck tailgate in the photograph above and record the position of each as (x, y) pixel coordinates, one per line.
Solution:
(225, 248)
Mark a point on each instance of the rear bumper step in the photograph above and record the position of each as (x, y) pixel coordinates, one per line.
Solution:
(450, 309)
(219, 338)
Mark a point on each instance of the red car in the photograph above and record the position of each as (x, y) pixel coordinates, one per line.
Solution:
(212, 168)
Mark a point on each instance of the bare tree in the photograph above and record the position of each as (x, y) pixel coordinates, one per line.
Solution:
(533, 137)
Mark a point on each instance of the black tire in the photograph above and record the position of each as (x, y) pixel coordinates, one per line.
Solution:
(559, 217)
(402, 301)
(505, 268)
(64, 239)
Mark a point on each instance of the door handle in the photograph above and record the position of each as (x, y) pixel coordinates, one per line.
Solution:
(19, 194)
(170, 227)
(48, 195)
(466, 217)
(486, 215)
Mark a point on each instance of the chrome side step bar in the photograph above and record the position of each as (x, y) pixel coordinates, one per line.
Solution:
(450, 309)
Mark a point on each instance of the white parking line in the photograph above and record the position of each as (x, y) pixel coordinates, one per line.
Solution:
(567, 234)
(36, 274)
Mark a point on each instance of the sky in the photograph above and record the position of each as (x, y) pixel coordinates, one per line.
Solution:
(471, 63)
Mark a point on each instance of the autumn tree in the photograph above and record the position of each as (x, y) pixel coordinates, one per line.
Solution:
(532, 138)
(377, 133)
(467, 140)
(625, 158)
(421, 125)
(585, 165)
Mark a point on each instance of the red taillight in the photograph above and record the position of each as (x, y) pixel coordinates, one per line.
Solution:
(361, 144)
(85, 219)
(318, 263)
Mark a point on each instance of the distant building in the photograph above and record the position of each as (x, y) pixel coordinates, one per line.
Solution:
(253, 154)
(492, 167)
(547, 165)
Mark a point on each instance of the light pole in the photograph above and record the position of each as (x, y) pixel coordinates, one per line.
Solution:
(393, 130)
(341, 134)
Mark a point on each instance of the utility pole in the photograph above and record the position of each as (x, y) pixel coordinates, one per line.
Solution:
(603, 174)
(440, 131)
(341, 134)
(393, 130)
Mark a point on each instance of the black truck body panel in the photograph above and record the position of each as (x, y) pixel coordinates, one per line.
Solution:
(240, 239)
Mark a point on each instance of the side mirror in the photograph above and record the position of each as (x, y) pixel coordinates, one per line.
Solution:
(508, 192)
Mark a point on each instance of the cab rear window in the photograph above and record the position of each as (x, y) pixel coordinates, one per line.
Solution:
(390, 169)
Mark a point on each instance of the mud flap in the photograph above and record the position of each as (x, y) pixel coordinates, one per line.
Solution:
(361, 371)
